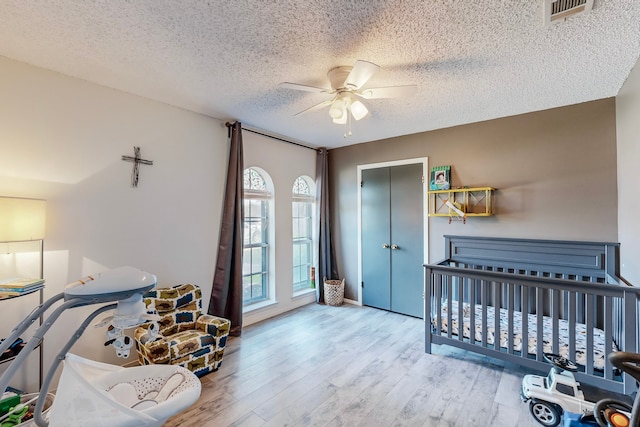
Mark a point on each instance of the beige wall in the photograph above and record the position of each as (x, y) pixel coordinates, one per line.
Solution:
(61, 139)
(268, 154)
(555, 172)
(628, 131)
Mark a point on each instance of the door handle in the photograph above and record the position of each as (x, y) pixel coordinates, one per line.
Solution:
(385, 246)
(395, 247)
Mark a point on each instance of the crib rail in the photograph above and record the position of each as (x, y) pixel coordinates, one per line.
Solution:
(575, 299)
(562, 281)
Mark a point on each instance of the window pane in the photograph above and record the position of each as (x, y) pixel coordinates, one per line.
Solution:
(257, 291)
(247, 234)
(257, 232)
(246, 288)
(296, 228)
(296, 274)
(305, 209)
(304, 275)
(305, 227)
(300, 209)
(253, 180)
(255, 208)
(300, 186)
(256, 259)
(304, 255)
(296, 254)
(246, 262)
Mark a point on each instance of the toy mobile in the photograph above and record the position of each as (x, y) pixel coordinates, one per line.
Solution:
(558, 393)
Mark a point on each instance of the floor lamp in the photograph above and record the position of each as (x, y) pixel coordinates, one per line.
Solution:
(23, 220)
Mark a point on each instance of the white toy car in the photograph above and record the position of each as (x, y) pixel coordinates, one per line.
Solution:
(549, 397)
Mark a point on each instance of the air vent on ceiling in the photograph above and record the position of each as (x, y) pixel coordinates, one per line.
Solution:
(559, 10)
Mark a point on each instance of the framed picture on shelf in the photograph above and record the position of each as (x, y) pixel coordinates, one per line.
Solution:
(440, 178)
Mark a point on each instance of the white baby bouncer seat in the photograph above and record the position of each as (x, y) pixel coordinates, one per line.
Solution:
(95, 394)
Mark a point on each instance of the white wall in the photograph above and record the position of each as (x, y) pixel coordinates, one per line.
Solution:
(284, 163)
(61, 139)
(628, 144)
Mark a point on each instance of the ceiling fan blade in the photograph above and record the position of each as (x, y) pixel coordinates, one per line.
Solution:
(360, 74)
(296, 86)
(314, 108)
(388, 92)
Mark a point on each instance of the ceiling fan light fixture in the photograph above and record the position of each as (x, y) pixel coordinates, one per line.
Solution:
(342, 119)
(337, 109)
(358, 110)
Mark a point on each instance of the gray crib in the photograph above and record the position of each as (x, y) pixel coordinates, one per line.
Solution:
(515, 299)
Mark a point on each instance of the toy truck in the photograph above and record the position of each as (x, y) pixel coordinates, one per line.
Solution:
(549, 397)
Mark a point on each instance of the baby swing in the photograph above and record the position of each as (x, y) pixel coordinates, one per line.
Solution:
(97, 394)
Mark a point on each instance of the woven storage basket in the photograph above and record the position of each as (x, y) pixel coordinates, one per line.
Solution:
(333, 292)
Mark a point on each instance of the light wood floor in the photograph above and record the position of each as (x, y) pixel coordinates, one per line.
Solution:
(353, 366)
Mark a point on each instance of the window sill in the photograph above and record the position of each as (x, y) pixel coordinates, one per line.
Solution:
(303, 293)
(258, 306)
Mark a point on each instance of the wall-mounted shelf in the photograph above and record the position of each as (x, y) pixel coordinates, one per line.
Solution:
(460, 203)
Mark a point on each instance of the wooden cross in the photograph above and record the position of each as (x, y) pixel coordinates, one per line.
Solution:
(136, 164)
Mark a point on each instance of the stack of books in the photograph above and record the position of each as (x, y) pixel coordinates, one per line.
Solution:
(19, 286)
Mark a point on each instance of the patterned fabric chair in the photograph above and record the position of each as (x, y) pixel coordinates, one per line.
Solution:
(186, 336)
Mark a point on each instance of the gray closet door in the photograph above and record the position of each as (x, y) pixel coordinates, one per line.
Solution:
(376, 259)
(407, 219)
(392, 239)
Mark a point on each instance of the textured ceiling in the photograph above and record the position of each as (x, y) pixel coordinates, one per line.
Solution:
(471, 60)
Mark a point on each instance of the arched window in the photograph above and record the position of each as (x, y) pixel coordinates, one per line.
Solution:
(255, 263)
(302, 218)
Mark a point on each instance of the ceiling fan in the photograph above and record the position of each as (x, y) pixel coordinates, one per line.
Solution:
(347, 86)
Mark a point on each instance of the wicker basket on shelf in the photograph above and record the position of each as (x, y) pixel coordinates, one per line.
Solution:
(333, 292)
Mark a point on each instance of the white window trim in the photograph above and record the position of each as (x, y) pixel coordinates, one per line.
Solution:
(297, 197)
(271, 251)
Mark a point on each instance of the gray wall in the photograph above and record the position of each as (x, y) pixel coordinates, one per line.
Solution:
(555, 171)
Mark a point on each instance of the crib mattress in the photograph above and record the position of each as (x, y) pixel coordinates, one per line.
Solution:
(563, 333)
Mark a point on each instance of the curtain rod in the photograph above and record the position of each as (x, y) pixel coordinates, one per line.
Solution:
(276, 138)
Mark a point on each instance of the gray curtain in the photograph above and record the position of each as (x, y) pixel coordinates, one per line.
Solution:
(226, 294)
(326, 256)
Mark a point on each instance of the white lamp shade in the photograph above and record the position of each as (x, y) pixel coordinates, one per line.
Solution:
(337, 109)
(21, 219)
(358, 109)
(342, 119)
